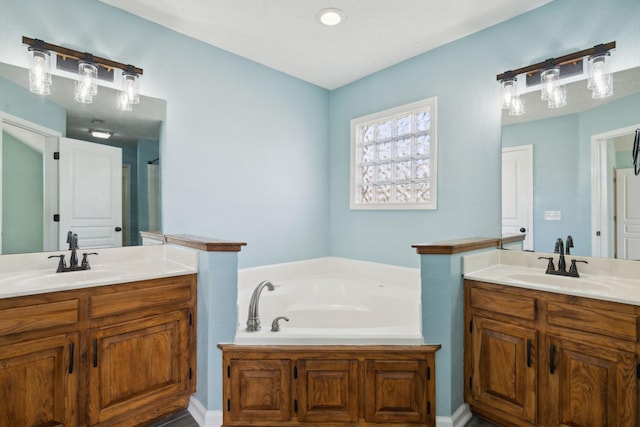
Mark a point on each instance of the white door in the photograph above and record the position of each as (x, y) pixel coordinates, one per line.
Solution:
(627, 214)
(517, 192)
(90, 194)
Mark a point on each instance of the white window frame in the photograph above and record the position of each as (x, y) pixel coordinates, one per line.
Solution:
(393, 113)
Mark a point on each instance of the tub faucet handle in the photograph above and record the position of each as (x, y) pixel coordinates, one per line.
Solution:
(275, 326)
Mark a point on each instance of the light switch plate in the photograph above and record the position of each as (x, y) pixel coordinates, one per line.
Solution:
(552, 215)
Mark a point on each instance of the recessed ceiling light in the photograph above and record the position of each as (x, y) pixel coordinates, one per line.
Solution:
(330, 16)
(102, 134)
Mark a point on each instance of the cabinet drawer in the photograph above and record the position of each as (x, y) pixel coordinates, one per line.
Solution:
(609, 323)
(127, 300)
(38, 316)
(500, 302)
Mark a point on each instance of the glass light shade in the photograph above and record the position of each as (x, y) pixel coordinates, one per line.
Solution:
(558, 98)
(40, 72)
(86, 85)
(600, 78)
(549, 80)
(129, 94)
(517, 106)
(508, 92)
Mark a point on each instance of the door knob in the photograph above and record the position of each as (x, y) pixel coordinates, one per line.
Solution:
(522, 229)
(118, 229)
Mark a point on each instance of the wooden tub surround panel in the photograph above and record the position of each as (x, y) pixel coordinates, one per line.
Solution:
(328, 385)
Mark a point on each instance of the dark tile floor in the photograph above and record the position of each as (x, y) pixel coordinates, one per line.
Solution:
(179, 419)
(184, 419)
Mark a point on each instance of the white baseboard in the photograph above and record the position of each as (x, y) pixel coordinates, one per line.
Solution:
(457, 419)
(206, 418)
(203, 417)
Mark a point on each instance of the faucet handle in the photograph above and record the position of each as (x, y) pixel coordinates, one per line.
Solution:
(85, 260)
(62, 264)
(275, 327)
(550, 266)
(573, 269)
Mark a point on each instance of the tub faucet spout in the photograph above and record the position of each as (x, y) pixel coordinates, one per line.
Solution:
(253, 321)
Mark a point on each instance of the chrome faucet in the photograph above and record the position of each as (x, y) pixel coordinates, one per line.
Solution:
(253, 321)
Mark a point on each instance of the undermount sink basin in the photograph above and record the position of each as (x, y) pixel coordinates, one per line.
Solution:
(81, 276)
(562, 281)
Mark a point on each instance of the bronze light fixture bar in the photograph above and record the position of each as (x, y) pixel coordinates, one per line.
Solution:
(70, 53)
(597, 49)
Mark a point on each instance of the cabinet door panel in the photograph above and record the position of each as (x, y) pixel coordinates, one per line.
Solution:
(259, 390)
(328, 390)
(395, 391)
(504, 367)
(135, 364)
(38, 382)
(590, 385)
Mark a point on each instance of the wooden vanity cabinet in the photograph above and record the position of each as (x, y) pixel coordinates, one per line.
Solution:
(328, 385)
(538, 358)
(39, 361)
(116, 355)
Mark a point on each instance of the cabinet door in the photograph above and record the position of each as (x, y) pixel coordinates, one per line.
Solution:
(590, 385)
(38, 382)
(134, 365)
(396, 391)
(504, 367)
(327, 390)
(259, 391)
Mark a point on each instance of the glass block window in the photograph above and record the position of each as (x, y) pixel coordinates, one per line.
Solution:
(393, 158)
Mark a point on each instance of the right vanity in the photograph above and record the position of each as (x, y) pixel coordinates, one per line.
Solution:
(550, 349)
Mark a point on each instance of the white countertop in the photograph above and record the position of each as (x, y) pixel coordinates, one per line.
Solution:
(29, 274)
(603, 279)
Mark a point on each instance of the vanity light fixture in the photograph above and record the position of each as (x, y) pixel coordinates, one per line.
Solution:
(86, 85)
(549, 80)
(600, 80)
(510, 98)
(101, 134)
(508, 91)
(89, 68)
(39, 69)
(129, 95)
(330, 16)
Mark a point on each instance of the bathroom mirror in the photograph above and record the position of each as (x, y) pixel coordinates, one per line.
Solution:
(575, 152)
(136, 133)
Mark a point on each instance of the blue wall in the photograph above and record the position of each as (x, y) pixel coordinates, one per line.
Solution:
(19, 102)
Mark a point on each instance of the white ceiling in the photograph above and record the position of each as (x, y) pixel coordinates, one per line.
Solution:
(285, 34)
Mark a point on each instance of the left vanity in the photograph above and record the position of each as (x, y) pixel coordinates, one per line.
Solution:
(111, 346)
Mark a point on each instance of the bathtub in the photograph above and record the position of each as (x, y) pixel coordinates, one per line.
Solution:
(335, 309)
